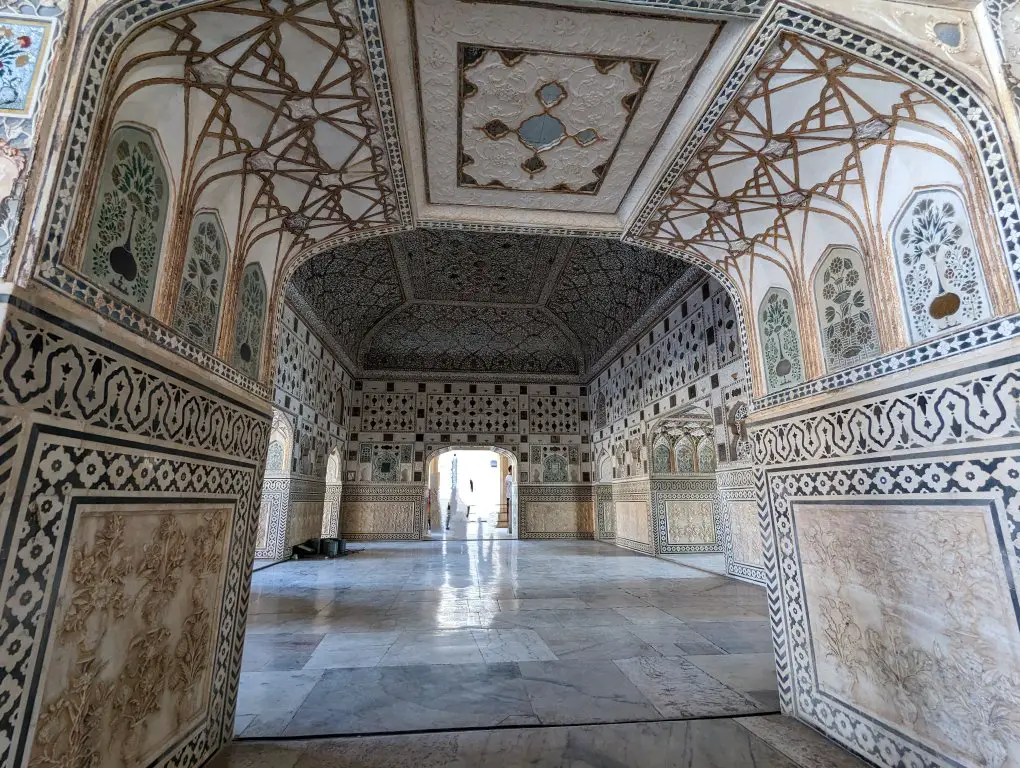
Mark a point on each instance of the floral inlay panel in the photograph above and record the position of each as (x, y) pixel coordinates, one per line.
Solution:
(126, 235)
(544, 121)
(780, 340)
(913, 620)
(23, 45)
(134, 632)
(251, 320)
(940, 272)
(845, 312)
(198, 305)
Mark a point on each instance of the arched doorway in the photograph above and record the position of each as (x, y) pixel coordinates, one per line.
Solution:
(466, 494)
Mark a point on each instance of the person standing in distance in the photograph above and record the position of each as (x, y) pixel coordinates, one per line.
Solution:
(508, 484)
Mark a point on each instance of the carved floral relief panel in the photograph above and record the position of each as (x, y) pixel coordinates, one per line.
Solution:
(745, 531)
(251, 320)
(780, 340)
(913, 619)
(198, 305)
(941, 279)
(125, 237)
(846, 316)
(690, 522)
(129, 665)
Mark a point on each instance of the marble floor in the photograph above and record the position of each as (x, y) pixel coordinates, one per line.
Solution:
(770, 741)
(517, 636)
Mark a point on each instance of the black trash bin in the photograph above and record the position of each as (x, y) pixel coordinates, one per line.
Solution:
(329, 547)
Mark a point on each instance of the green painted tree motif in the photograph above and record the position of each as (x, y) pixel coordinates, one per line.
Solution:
(777, 325)
(123, 248)
(251, 319)
(554, 469)
(660, 456)
(198, 304)
(845, 311)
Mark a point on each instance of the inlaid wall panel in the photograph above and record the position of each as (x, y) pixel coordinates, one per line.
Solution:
(382, 511)
(556, 512)
(740, 523)
(685, 514)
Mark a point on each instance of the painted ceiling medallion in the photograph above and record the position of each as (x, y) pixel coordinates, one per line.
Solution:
(532, 121)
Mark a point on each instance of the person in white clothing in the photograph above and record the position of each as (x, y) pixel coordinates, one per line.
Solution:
(508, 484)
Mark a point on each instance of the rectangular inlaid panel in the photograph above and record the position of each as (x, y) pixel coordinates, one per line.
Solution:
(379, 519)
(131, 650)
(690, 522)
(913, 620)
(632, 521)
(557, 517)
(745, 530)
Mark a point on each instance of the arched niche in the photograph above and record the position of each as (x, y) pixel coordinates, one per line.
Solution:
(941, 278)
(780, 340)
(205, 263)
(845, 309)
(251, 321)
(125, 237)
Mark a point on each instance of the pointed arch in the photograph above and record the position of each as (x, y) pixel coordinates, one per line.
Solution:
(125, 236)
(706, 454)
(661, 455)
(683, 455)
(251, 320)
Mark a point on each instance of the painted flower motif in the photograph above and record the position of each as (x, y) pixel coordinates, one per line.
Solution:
(90, 470)
(36, 552)
(16, 645)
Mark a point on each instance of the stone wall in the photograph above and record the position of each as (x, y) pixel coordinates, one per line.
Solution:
(312, 392)
(740, 523)
(397, 426)
(891, 514)
(129, 492)
(689, 361)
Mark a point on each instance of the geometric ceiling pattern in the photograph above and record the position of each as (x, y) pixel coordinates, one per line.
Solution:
(445, 300)
(540, 105)
(810, 133)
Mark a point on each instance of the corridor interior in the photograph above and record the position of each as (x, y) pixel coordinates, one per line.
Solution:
(466, 496)
(522, 653)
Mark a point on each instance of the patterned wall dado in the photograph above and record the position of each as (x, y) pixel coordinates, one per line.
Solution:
(740, 522)
(685, 514)
(271, 537)
(556, 512)
(383, 511)
(104, 447)
(605, 511)
(911, 532)
(130, 660)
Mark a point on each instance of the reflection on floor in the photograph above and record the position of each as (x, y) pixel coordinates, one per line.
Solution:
(761, 742)
(490, 634)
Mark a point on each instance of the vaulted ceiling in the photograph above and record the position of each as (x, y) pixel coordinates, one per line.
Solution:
(444, 300)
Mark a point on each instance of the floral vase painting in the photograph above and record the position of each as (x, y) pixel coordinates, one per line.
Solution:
(23, 45)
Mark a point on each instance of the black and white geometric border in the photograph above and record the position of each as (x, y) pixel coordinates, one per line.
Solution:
(993, 473)
(694, 489)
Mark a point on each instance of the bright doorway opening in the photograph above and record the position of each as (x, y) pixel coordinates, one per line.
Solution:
(466, 494)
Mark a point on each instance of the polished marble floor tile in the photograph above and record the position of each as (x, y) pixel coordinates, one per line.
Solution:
(606, 643)
(403, 698)
(498, 645)
(742, 672)
(736, 636)
(753, 742)
(566, 692)
(679, 689)
(471, 611)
